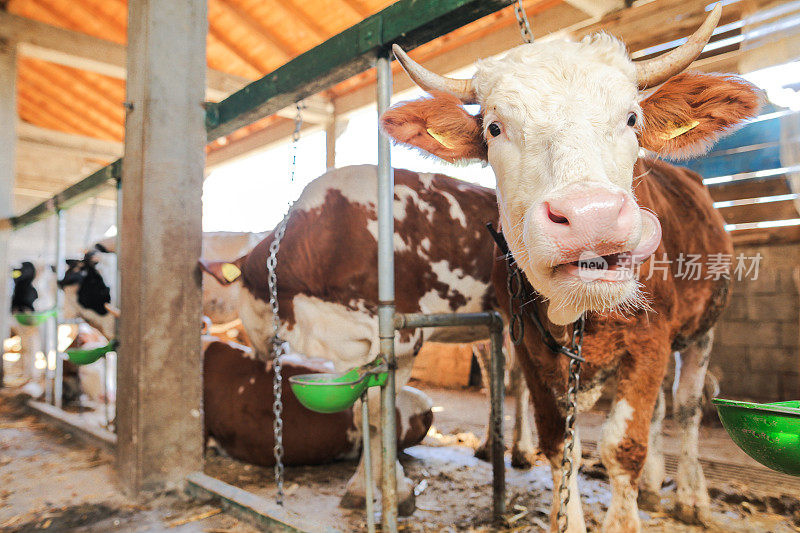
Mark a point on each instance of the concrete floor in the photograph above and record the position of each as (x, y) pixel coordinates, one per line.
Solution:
(48, 481)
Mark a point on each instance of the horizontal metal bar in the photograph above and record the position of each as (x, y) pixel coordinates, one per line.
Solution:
(409, 23)
(490, 319)
(71, 196)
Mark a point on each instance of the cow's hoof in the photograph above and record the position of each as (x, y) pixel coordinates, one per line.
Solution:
(649, 501)
(353, 501)
(407, 506)
(693, 514)
(523, 458)
(482, 452)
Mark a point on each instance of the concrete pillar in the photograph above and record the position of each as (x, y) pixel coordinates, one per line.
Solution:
(333, 130)
(159, 411)
(8, 141)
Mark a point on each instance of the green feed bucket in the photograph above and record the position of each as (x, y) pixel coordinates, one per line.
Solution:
(35, 318)
(767, 432)
(87, 357)
(331, 393)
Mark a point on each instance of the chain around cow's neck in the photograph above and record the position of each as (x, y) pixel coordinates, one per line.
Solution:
(521, 292)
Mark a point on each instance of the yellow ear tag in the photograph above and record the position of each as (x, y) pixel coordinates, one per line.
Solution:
(441, 139)
(230, 272)
(679, 130)
(16, 273)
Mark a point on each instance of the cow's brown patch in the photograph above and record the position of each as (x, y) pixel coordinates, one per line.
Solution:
(328, 252)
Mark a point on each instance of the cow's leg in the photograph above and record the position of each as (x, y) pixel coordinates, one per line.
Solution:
(693, 504)
(483, 355)
(653, 473)
(550, 425)
(355, 494)
(523, 450)
(626, 432)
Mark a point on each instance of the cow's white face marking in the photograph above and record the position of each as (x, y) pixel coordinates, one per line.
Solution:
(240, 390)
(562, 113)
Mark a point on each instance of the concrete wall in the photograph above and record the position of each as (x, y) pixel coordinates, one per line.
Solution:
(756, 354)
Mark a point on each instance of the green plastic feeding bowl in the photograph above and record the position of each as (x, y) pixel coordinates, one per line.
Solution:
(767, 432)
(87, 357)
(35, 318)
(331, 393)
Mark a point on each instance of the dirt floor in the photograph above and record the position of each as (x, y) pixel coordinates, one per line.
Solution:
(47, 481)
(454, 488)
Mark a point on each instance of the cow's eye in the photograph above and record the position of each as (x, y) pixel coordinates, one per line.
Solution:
(631, 119)
(494, 129)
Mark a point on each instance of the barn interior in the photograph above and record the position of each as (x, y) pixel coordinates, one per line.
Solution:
(127, 450)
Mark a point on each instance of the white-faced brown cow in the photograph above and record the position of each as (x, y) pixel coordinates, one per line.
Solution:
(328, 280)
(561, 124)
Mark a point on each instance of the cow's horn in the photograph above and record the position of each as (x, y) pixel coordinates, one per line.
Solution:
(115, 312)
(429, 81)
(659, 69)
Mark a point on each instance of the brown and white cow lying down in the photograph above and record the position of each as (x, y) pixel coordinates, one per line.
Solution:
(237, 405)
(328, 284)
(561, 124)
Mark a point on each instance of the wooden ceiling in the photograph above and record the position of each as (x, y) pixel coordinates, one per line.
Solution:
(247, 38)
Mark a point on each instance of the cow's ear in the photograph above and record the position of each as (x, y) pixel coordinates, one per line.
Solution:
(223, 271)
(691, 111)
(438, 125)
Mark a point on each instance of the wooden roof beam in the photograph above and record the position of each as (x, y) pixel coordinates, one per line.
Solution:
(79, 107)
(356, 6)
(78, 50)
(30, 135)
(300, 15)
(244, 55)
(65, 117)
(245, 19)
(597, 8)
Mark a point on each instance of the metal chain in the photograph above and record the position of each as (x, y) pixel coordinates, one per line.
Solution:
(524, 24)
(569, 431)
(278, 344)
(516, 289)
(298, 123)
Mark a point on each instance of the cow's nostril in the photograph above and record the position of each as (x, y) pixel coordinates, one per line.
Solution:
(556, 217)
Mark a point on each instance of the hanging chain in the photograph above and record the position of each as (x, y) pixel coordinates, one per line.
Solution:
(298, 123)
(569, 431)
(524, 24)
(278, 344)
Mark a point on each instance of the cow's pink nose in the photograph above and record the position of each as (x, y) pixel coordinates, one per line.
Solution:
(594, 220)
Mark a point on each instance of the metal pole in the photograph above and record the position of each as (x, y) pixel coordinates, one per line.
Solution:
(115, 299)
(44, 334)
(496, 369)
(61, 235)
(496, 431)
(386, 303)
(367, 451)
